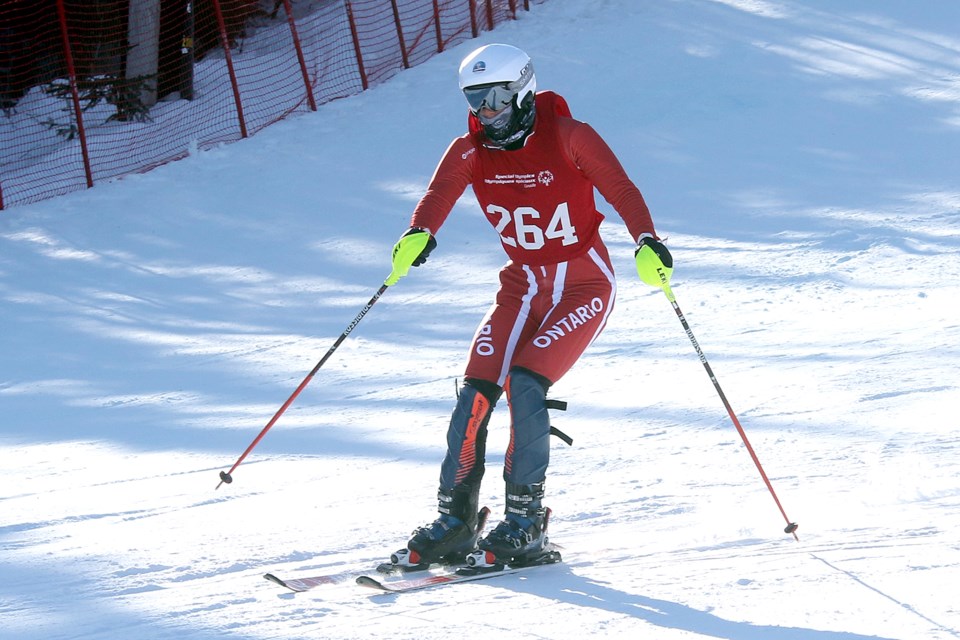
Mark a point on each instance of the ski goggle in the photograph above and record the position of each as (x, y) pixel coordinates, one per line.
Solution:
(492, 96)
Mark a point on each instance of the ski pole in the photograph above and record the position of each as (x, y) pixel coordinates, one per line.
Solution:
(225, 476)
(665, 285)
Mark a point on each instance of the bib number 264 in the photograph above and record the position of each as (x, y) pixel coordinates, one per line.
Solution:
(527, 233)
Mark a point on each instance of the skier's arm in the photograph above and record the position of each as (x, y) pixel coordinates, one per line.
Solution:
(448, 183)
(599, 164)
(589, 152)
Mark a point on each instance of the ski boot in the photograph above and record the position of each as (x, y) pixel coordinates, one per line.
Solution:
(449, 538)
(521, 537)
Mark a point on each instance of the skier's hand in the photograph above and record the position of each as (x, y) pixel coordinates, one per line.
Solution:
(654, 262)
(411, 250)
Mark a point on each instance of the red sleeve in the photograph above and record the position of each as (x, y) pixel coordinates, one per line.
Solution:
(448, 183)
(599, 164)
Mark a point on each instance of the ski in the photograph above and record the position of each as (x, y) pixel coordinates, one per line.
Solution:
(404, 572)
(453, 575)
(300, 585)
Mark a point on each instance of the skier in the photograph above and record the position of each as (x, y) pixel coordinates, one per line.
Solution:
(533, 169)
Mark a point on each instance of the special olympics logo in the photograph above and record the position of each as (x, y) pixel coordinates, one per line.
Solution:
(545, 178)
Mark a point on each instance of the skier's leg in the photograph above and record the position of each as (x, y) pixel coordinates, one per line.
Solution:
(581, 293)
(508, 324)
(522, 533)
(455, 532)
(528, 453)
(463, 466)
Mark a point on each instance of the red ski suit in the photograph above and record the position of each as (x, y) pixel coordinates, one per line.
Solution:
(558, 287)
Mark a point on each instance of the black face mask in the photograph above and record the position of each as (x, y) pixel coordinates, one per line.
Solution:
(498, 126)
(509, 125)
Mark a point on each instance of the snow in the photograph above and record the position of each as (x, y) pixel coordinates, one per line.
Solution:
(801, 159)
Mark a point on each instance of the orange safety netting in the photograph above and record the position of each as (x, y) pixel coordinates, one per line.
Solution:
(95, 89)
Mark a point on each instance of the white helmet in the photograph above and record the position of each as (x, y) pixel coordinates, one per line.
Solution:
(500, 78)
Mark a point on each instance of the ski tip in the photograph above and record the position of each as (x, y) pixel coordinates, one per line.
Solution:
(367, 581)
(275, 579)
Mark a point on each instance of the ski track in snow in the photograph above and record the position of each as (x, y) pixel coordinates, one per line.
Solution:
(800, 157)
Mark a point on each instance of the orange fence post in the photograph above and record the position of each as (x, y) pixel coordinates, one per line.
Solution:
(403, 46)
(356, 46)
(436, 24)
(72, 75)
(473, 18)
(225, 43)
(300, 59)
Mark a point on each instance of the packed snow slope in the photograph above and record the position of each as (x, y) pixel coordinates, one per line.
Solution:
(801, 160)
